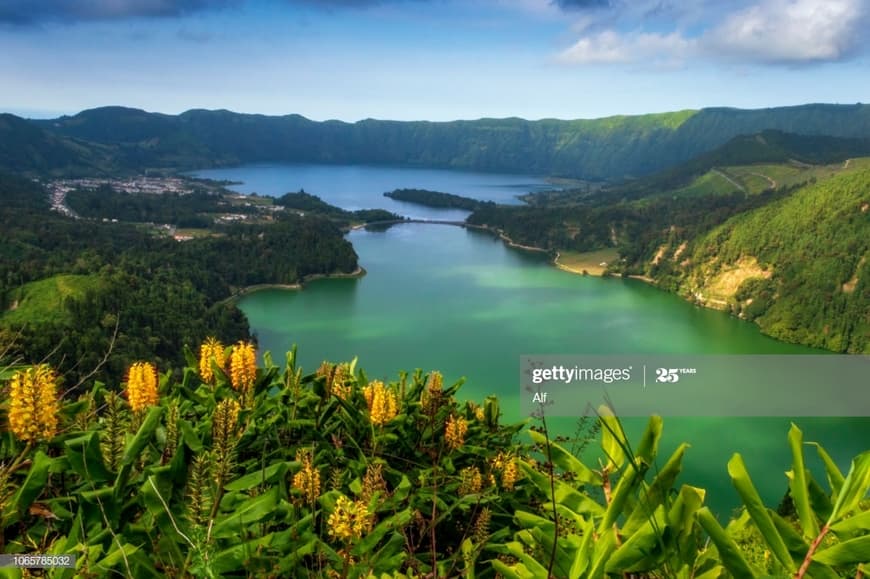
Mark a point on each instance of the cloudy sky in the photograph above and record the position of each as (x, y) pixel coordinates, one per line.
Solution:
(431, 59)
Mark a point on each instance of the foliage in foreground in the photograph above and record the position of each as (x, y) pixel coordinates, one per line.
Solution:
(246, 471)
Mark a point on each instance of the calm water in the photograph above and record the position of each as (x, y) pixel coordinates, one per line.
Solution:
(460, 301)
(362, 187)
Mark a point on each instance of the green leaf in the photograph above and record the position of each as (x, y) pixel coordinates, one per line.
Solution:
(860, 522)
(613, 440)
(235, 558)
(393, 523)
(798, 484)
(729, 552)
(33, 483)
(635, 553)
(144, 434)
(854, 489)
(251, 511)
(649, 442)
(86, 459)
(846, 553)
(567, 461)
(835, 477)
(270, 474)
(756, 509)
(657, 492)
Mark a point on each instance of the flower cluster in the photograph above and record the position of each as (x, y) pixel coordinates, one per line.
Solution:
(210, 350)
(307, 480)
(433, 394)
(33, 404)
(470, 480)
(349, 520)
(226, 418)
(382, 402)
(506, 465)
(243, 366)
(454, 431)
(142, 386)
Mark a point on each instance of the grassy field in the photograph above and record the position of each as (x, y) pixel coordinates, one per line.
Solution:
(589, 262)
(42, 301)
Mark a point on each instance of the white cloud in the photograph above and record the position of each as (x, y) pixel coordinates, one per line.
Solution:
(766, 32)
(790, 31)
(610, 47)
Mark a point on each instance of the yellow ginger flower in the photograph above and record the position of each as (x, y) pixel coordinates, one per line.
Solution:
(510, 474)
(243, 366)
(470, 480)
(33, 404)
(382, 402)
(479, 414)
(454, 432)
(337, 386)
(142, 386)
(226, 418)
(349, 520)
(211, 348)
(507, 466)
(307, 479)
(433, 394)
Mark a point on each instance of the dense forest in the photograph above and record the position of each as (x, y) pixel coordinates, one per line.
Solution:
(307, 203)
(123, 139)
(70, 288)
(436, 199)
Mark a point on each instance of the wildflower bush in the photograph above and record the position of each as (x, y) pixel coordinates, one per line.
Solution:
(240, 470)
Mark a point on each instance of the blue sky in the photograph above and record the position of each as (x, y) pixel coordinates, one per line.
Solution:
(431, 59)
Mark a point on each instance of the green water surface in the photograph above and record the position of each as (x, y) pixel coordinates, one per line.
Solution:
(460, 301)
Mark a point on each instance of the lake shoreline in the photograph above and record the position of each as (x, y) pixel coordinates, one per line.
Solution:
(251, 289)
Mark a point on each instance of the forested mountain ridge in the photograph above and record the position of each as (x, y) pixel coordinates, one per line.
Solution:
(609, 148)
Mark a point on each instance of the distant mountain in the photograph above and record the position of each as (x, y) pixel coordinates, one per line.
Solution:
(25, 147)
(607, 148)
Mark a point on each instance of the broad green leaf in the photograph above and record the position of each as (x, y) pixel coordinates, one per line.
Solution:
(236, 558)
(854, 488)
(251, 511)
(143, 436)
(583, 554)
(860, 522)
(798, 484)
(270, 474)
(567, 461)
(635, 553)
(657, 492)
(86, 458)
(649, 441)
(33, 483)
(513, 572)
(729, 552)
(613, 440)
(631, 477)
(371, 539)
(835, 477)
(756, 509)
(846, 553)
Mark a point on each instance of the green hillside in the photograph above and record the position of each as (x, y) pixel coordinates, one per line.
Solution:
(798, 267)
(606, 149)
(44, 301)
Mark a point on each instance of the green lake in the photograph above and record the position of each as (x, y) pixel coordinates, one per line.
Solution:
(462, 302)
